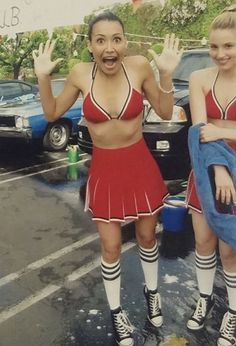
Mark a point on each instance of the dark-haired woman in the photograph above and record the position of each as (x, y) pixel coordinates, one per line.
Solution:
(124, 181)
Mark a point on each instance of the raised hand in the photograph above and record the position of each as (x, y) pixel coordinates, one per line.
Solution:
(43, 65)
(170, 57)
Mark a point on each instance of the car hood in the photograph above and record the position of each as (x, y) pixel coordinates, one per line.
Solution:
(24, 109)
(28, 109)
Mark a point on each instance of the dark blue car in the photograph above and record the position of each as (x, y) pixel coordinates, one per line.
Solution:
(21, 115)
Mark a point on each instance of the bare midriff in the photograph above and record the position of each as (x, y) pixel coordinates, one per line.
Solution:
(116, 133)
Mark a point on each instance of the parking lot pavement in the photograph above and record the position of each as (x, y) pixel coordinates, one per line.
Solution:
(85, 315)
(51, 290)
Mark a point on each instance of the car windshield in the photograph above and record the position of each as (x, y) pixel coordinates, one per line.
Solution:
(189, 63)
(57, 86)
(16, 101)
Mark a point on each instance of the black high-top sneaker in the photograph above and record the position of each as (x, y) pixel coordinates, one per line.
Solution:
(122, 327)
(203, 309)
(228, 330)
(154, 307)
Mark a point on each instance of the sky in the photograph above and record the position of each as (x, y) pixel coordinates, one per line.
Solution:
(29, 15)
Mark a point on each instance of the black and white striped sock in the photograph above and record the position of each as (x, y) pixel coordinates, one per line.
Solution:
(230, 280)
(205, 270)
(149, 261)
(111, 280)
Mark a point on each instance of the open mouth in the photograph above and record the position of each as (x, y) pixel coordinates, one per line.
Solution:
(109, 61)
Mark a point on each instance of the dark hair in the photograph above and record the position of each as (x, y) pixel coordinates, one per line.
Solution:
(107, 15)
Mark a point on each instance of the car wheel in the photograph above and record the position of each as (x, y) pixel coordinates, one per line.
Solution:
(56, 137)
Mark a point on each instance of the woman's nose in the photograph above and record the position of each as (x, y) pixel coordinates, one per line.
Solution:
(220, 52)
(109, 46)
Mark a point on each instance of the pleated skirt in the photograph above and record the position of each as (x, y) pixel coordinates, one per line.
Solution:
(124, 183)
(192, 200)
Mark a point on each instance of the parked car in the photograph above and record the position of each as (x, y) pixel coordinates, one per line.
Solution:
(21, 115)
(11, 89)
(167, 140)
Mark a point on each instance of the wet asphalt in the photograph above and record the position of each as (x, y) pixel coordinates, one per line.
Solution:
(51, 292)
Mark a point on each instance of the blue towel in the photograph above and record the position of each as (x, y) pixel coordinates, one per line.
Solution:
(203, 156)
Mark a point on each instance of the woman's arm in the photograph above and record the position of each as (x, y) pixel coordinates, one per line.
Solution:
(211, 132)
(53, 107)
(197, 98)
(225, 190)
(160, 94)
(161, 102)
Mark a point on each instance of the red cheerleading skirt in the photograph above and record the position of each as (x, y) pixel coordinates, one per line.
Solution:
(124, 183)
(192, 200)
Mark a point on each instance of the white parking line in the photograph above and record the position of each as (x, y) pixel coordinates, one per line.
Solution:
(31, 167)
(48, 290)
(36, 166)
(26, 303)
(45, 260)
(40, 172)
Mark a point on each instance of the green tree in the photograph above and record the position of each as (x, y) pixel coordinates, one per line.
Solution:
(15, 51)
(189, 19)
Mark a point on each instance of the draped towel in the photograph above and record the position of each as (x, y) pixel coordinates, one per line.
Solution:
(221, 219)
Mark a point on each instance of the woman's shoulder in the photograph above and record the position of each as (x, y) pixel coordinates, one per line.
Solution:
(203, 77)
(79, 74)
(204, 73)
(82, 67)
(136, 60)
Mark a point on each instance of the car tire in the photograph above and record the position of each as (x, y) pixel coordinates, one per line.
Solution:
(56, 136)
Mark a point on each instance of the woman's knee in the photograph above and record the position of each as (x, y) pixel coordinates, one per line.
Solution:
(146, 239)
(228, 256)
(110, 238)
(205, 239)
(145, 231)
(111, 252)
(205, 245)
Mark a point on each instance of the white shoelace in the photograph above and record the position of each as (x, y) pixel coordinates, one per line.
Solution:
(200, 309)
(123, 326)
(155, 303)
(228, 325)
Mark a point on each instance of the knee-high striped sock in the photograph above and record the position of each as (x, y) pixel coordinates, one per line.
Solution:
(111, 280)
(230, 280)
(149, 262)
(205, 270)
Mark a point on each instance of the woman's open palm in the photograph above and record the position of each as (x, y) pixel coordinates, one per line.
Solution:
(170, 57)
(43, 64)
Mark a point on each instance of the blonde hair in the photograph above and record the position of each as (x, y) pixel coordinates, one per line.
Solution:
(226, 19)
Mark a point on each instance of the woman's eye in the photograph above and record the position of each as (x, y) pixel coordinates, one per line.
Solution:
(117, 39)
(212, 47)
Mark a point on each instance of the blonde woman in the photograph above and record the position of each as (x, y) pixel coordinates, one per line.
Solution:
(213, 102)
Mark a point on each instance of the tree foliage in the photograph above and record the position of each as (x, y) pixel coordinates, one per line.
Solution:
(188, 19)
